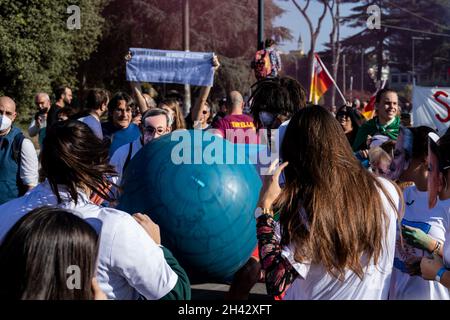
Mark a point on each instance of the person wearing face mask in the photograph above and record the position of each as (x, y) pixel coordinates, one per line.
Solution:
(155, 123)
(423, 230)
(387, 121)
(18, 158)
(273, 102)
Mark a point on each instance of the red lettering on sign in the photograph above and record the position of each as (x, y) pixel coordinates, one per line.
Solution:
(436, 97)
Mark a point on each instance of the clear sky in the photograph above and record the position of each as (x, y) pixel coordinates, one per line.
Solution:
(294, 20)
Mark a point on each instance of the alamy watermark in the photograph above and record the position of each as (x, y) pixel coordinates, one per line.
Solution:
(74, 20)
(374, 20)
(74, 280)
(211, 149)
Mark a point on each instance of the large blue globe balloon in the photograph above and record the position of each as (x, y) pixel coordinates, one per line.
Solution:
(204, 210)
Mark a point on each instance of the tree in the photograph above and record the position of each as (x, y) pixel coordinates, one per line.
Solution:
(314, 31)
(38, 51)
(227, 28)
(400, 21)
(334, 7)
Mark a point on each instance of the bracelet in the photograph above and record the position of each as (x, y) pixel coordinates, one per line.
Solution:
(439, 274)
(436, 249)
(260, 211)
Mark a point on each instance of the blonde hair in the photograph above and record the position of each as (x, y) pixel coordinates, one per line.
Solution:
(377, 154)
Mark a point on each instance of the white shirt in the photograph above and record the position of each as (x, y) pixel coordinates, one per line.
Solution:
(129, 263)
(435, 223)
(314, 283)
(94, 124)
(29, 164)
(446, 205)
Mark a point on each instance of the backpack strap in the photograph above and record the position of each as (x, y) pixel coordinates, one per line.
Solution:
(17, 156)
(130, 151)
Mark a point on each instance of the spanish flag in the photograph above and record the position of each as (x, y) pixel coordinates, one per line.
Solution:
(321, 81)
(369, 109)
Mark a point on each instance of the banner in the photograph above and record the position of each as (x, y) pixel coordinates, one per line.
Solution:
(431, 107)
(163, 66)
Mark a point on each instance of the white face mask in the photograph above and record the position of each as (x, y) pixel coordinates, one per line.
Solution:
(5, 123)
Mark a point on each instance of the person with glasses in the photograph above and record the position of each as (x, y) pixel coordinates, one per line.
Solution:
(155, 123)
(119, 128)
(349, 121)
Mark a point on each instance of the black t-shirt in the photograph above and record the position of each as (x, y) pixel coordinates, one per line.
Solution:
(52, 116)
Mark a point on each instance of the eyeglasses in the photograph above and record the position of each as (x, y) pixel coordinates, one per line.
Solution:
(205, 111)
(152, 130)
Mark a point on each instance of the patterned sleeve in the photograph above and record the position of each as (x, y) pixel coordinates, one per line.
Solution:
(279, 272)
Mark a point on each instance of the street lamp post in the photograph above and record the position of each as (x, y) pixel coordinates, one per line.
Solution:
(186, 40)
(414, 56)
(260, 24)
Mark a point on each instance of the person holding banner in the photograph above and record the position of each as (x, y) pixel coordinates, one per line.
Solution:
(387, 121)
(201, 112)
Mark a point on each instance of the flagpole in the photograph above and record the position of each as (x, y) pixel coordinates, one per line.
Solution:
(312, 81)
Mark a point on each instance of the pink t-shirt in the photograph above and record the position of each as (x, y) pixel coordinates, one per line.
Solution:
(237, 128)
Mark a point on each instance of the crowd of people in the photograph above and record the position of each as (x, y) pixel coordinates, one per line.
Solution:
(343, 214)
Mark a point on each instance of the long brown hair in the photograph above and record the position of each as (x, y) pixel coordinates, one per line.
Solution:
(74, 157)
(331, 208)
(178, 121)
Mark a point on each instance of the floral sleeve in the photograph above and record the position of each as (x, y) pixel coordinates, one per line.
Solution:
(279, 272)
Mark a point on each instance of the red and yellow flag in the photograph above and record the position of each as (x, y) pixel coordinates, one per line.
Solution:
(369, 110)
(321, 80)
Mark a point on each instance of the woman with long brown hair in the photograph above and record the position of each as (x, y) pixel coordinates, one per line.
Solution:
(337, 221)
(172, 106)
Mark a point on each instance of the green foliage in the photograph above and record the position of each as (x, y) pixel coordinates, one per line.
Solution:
(228, 28)
(38, 52)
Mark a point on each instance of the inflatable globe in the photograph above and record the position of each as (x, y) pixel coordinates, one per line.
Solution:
(202, 191)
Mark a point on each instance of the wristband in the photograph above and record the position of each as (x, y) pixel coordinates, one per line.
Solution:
(439, 274)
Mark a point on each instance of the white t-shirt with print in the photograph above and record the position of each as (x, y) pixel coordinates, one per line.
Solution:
(435, 223)
(314, 283)
(130, 263)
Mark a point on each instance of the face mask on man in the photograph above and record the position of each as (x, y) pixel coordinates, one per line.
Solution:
(5, 122)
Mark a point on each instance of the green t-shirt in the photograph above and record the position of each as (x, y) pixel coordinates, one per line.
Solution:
(373, 127)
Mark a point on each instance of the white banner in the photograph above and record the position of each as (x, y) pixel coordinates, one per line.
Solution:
(431, 107)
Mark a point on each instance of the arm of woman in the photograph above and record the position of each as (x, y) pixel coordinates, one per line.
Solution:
(203, 97)
(135, 87)
(279, 272)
